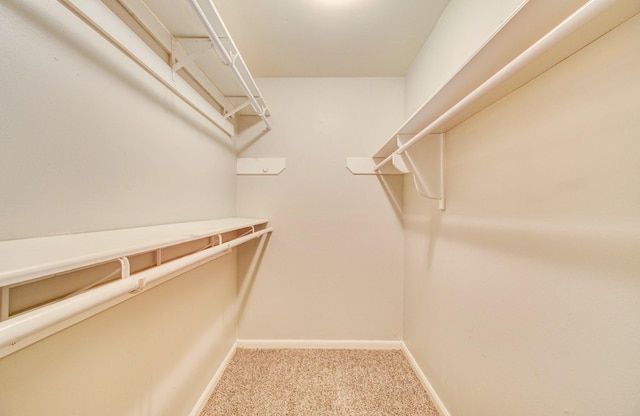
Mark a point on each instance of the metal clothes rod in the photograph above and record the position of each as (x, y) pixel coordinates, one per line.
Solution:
(230, 60)
(570, 24)
(29, 323)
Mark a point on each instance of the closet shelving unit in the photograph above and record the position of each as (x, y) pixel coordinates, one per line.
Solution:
(136, 258)
(185, 45)
(531, 41)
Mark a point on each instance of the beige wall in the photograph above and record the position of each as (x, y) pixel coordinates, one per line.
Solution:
(89, 141)
(522, 297)
(151, 355)
(333, 268)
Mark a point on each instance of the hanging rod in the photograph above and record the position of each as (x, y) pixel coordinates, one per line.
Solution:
(29, 323)
(230, 59)
(569, 25)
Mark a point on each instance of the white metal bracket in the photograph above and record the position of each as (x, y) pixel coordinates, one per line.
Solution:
(125, 272)
(424, 160)
(178, 64)
(238, 108)
(125, 267)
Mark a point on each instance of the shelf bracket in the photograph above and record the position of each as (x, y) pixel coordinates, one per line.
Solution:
(125, 272)
(426, 162)
(125, 267)
(177, 64)
(238, 108)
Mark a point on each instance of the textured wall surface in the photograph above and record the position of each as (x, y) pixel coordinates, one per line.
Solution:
(522, 297)
(333, 269)
(89, 141)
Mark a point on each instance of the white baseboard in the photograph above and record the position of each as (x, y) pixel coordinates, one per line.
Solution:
(327, 344)
(204, 398)
(425, 382)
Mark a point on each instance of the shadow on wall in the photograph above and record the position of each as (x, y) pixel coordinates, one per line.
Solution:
(250, 256)
(246, 125)
(393, 188)
(428, 222)
(611, 250)
(102, 63)
(211, 341)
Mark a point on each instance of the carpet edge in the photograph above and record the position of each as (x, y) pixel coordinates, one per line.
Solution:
(424, 380)
(208, 391)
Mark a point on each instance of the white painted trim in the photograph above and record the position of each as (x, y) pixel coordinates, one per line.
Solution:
(204, 398)
(316, 344)
(425, 382)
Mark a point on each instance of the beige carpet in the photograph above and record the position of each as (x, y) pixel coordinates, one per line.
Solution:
(319, 382)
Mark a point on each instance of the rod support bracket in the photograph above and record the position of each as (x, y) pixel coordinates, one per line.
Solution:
(125, 267)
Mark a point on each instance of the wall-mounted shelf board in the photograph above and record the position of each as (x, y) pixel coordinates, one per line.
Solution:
(260, 166)
(101, 19)
(193, 34)
(537, 36)
(29, 259)
(192, 53)
(36, 260)
(534, 21)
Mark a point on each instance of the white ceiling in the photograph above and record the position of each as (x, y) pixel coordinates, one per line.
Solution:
(329, 38)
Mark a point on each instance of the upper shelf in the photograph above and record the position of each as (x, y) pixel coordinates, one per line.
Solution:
(184, 45)
(533, 40)
(29, 259)
(189, 24)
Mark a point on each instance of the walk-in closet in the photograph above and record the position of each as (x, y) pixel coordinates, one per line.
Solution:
(320, 207)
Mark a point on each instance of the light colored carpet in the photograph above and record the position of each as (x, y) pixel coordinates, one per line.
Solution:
(323, 382)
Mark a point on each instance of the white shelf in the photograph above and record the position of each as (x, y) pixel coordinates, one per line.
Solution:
(260, 166)
(195, 36)
(33, 258)
(225, 84)
(530, 24)
(538, 36)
